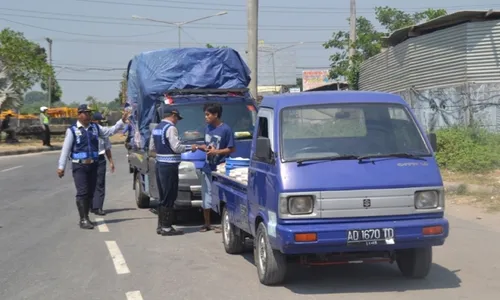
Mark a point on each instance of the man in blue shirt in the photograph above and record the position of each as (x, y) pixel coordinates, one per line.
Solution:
(219, 144)
(81, 145)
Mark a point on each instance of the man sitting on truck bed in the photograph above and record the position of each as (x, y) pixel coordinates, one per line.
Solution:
(219, 144)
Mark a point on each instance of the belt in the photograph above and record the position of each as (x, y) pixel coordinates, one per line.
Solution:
(83, 161)
(168, 158)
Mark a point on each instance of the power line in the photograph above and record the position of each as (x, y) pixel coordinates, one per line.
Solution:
(303, 7)
(84, 34)
(208, 26)
(274, 9)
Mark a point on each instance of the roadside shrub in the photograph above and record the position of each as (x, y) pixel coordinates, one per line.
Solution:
(468, 149)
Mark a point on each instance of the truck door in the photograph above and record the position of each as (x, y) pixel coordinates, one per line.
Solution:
(262, 178)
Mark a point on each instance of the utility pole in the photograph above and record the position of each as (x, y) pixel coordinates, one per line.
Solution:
(50, 75)
(253, 39)
(352, 33)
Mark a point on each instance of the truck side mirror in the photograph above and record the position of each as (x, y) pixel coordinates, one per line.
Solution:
(263, 148)
(433, 140)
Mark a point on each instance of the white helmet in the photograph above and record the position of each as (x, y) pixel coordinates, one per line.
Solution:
(43, 108)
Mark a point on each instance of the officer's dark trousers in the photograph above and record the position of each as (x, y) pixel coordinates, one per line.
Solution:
(167, 180)
(100, 189)
(46, 135)
(85, 177)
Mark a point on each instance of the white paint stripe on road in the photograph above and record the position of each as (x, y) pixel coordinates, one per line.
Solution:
(101, 226)
(118, 259)
(134, 295)
(10, 169)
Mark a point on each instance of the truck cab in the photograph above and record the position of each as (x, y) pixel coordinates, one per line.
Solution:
(239, 112)
(334, 178)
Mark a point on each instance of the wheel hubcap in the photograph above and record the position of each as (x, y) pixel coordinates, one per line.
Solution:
(262, 253)
(227, 228)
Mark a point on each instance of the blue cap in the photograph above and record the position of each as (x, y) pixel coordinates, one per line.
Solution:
(98, 116)
(83, 107)
(171, 110)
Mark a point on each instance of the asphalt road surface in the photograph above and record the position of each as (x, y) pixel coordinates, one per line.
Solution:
(45, 255)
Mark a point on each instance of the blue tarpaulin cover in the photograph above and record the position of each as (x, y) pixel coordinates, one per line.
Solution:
(153, 73)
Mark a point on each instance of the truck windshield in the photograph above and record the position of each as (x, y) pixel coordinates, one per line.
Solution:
(239, 116)
(327, 131)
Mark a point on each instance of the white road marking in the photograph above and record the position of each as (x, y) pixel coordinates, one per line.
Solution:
(101, 226)
(10, 169)
(118, 259)
(134, 295)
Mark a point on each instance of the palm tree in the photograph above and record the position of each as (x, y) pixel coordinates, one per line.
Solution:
(9, 98)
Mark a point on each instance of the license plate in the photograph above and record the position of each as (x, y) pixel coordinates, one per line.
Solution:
(370, 237)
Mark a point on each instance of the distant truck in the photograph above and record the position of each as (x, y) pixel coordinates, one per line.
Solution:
(334, 178)
(186, 78)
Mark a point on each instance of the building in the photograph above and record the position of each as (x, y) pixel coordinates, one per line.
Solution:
(447, 69)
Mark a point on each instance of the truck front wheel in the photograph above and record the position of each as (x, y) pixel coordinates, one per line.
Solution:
(414, 263)
(141, 199)
(271, 264)
(234, 241)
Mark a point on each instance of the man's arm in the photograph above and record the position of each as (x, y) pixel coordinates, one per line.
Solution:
(173, 138)
(41, 120)
(66, 148)
(106, 132)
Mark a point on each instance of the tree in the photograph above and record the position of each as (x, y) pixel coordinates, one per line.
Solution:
(9, 97)
(25, 63)
(122, 93)
(369, 40)
(212, 46)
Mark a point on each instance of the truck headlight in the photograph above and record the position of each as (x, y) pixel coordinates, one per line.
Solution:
(426, 199)
(297, 205)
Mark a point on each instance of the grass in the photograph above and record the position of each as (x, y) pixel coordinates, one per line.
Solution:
(489, 178)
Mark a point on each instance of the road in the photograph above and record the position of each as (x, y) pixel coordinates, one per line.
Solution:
(45, 255)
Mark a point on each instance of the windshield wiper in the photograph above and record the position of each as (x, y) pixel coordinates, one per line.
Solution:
(400, 155)
(327, 158)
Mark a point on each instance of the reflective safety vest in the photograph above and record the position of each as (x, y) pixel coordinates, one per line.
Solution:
(164, 152)
(85, 142)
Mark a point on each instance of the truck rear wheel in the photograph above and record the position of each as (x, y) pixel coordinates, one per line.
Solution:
(271, 264)
(234, 241)
(414, 263)
(141, 199)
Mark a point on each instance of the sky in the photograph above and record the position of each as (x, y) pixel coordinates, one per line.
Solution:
(93, 40)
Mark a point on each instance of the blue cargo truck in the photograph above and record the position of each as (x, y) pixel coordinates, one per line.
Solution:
(334, 178)
(186, 78)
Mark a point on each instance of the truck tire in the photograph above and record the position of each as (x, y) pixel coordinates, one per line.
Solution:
(141, 199)
(233, 240)
(414, 263)
(271, 264)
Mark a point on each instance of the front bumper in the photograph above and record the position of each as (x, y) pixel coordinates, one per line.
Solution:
(188, 196)
(332, 237)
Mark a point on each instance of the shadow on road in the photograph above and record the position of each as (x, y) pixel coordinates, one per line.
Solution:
(361, 278)
(113, 221)
(115, 210)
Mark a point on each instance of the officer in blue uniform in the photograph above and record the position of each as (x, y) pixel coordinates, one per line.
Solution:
(165, 141)
(81, 146)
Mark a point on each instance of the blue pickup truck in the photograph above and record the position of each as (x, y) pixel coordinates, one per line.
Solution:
(334, 178)
(185, 78)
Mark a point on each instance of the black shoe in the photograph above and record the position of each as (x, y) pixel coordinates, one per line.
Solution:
(166, 223)
(86, 224)
(86, 210)
(98, 212)
(171, 231)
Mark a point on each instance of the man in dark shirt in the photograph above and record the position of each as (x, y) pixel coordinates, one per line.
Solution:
(219, 144)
